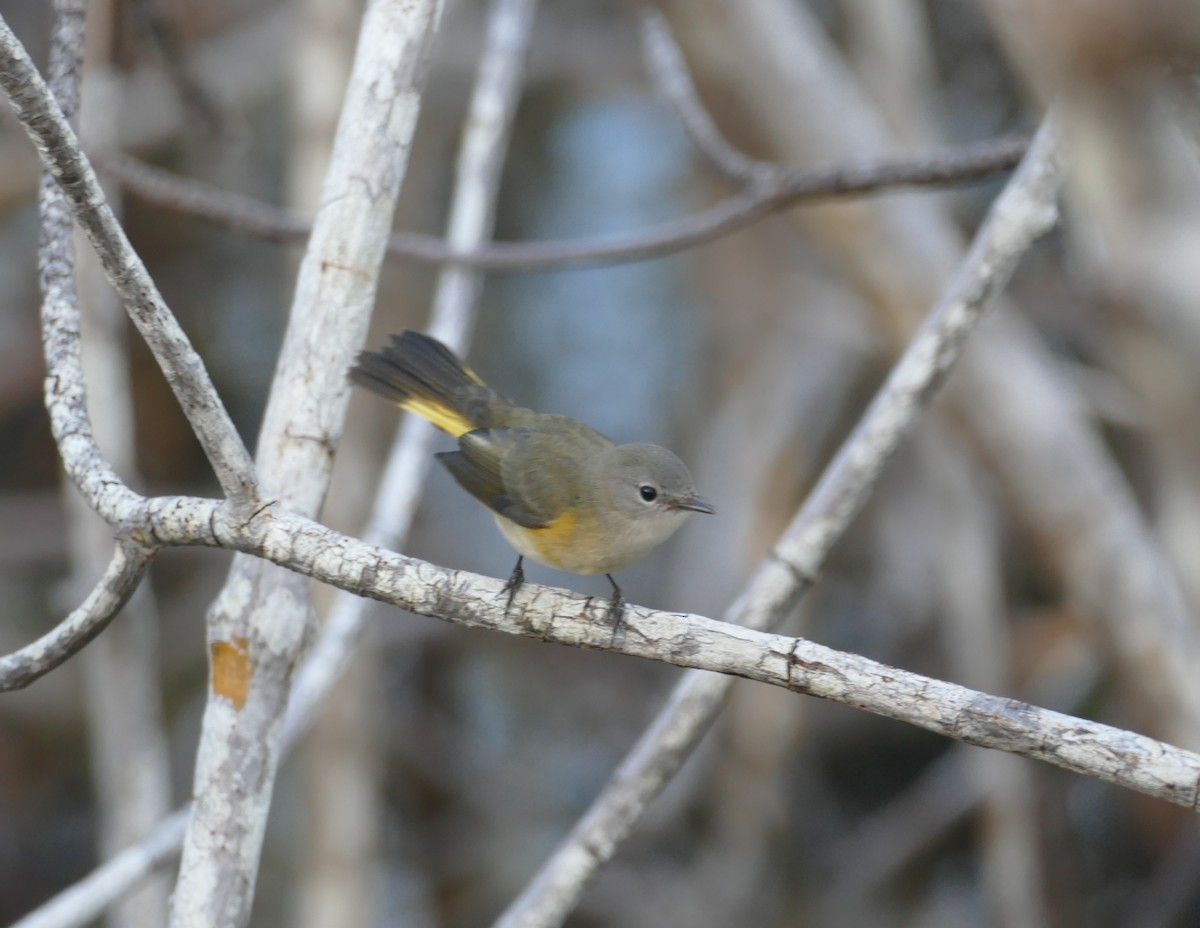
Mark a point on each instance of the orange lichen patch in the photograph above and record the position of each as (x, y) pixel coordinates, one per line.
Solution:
(231, 670)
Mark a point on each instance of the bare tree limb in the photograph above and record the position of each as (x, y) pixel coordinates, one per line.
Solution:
(340, 833)
(499, 84)
(65, 387)
(484, 143)
(120, 579)
(784, 188)
(303, 545)
(67, 404)
(299, 544)
(58, 146)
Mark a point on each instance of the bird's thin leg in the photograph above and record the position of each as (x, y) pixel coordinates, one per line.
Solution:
(616, 606)
(514, 581)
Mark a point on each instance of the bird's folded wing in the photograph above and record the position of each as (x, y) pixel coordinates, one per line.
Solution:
(478, 465)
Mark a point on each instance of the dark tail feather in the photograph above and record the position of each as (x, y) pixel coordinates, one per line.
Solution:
(420, 374)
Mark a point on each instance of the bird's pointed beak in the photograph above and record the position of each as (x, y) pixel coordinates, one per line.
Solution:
(694, 503)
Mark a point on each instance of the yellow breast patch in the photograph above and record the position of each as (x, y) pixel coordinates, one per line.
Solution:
(561, 544)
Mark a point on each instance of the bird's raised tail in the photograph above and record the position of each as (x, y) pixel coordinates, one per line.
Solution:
(420, 374)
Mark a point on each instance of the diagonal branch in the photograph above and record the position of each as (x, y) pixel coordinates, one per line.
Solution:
(669, 72)
(58, 147)
(1028, 422)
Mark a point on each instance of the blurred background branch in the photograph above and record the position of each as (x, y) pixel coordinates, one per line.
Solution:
(768, 189)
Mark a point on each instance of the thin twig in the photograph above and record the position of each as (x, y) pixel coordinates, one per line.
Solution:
(785, 188)
(58, 146)
(667, 68)
(1022, 213)
(65, 387)
(124, 573)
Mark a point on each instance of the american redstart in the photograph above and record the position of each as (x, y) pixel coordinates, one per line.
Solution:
(562, 493)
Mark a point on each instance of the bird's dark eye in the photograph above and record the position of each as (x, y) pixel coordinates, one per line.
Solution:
(647, 492)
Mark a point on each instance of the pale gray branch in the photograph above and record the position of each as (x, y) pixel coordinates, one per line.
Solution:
(66, 402)
(65, 387)
(1130, 760)
(301, 545)
(1011, 399)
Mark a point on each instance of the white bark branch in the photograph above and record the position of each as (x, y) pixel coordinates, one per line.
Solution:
(1011, 399)
(122, 700)
(299, 544)
(486, 131)
(67, 404)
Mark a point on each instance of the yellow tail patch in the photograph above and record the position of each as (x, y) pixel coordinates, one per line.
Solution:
(440, 415)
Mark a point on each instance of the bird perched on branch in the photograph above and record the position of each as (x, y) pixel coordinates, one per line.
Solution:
(562, 493)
